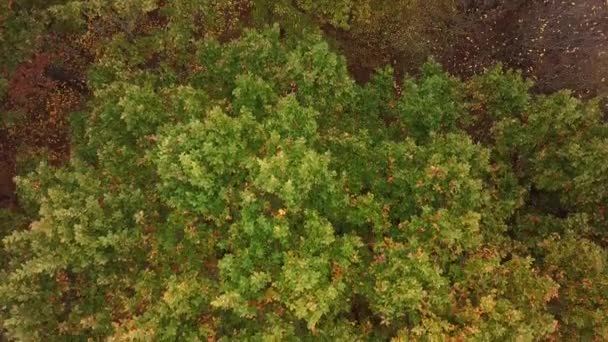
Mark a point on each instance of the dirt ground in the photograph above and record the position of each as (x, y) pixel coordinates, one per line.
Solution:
(559, 44)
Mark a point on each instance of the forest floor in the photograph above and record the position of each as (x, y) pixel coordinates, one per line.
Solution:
(37, 110)
(558, 44)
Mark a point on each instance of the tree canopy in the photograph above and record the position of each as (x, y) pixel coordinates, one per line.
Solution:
(240, 185)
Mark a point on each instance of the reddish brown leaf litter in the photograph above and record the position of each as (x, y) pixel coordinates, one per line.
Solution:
(43, 103)
(40, 105)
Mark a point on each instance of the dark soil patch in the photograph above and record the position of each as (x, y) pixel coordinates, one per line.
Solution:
(559, 44)
(7, 187)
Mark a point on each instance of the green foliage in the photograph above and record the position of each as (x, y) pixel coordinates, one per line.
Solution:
(249, 189)
(433, 104)
(337, 13)
(579, 267)
(18, 31)
(504, 94)
(372, 33)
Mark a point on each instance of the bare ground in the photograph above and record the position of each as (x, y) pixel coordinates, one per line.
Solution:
(559, 44)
